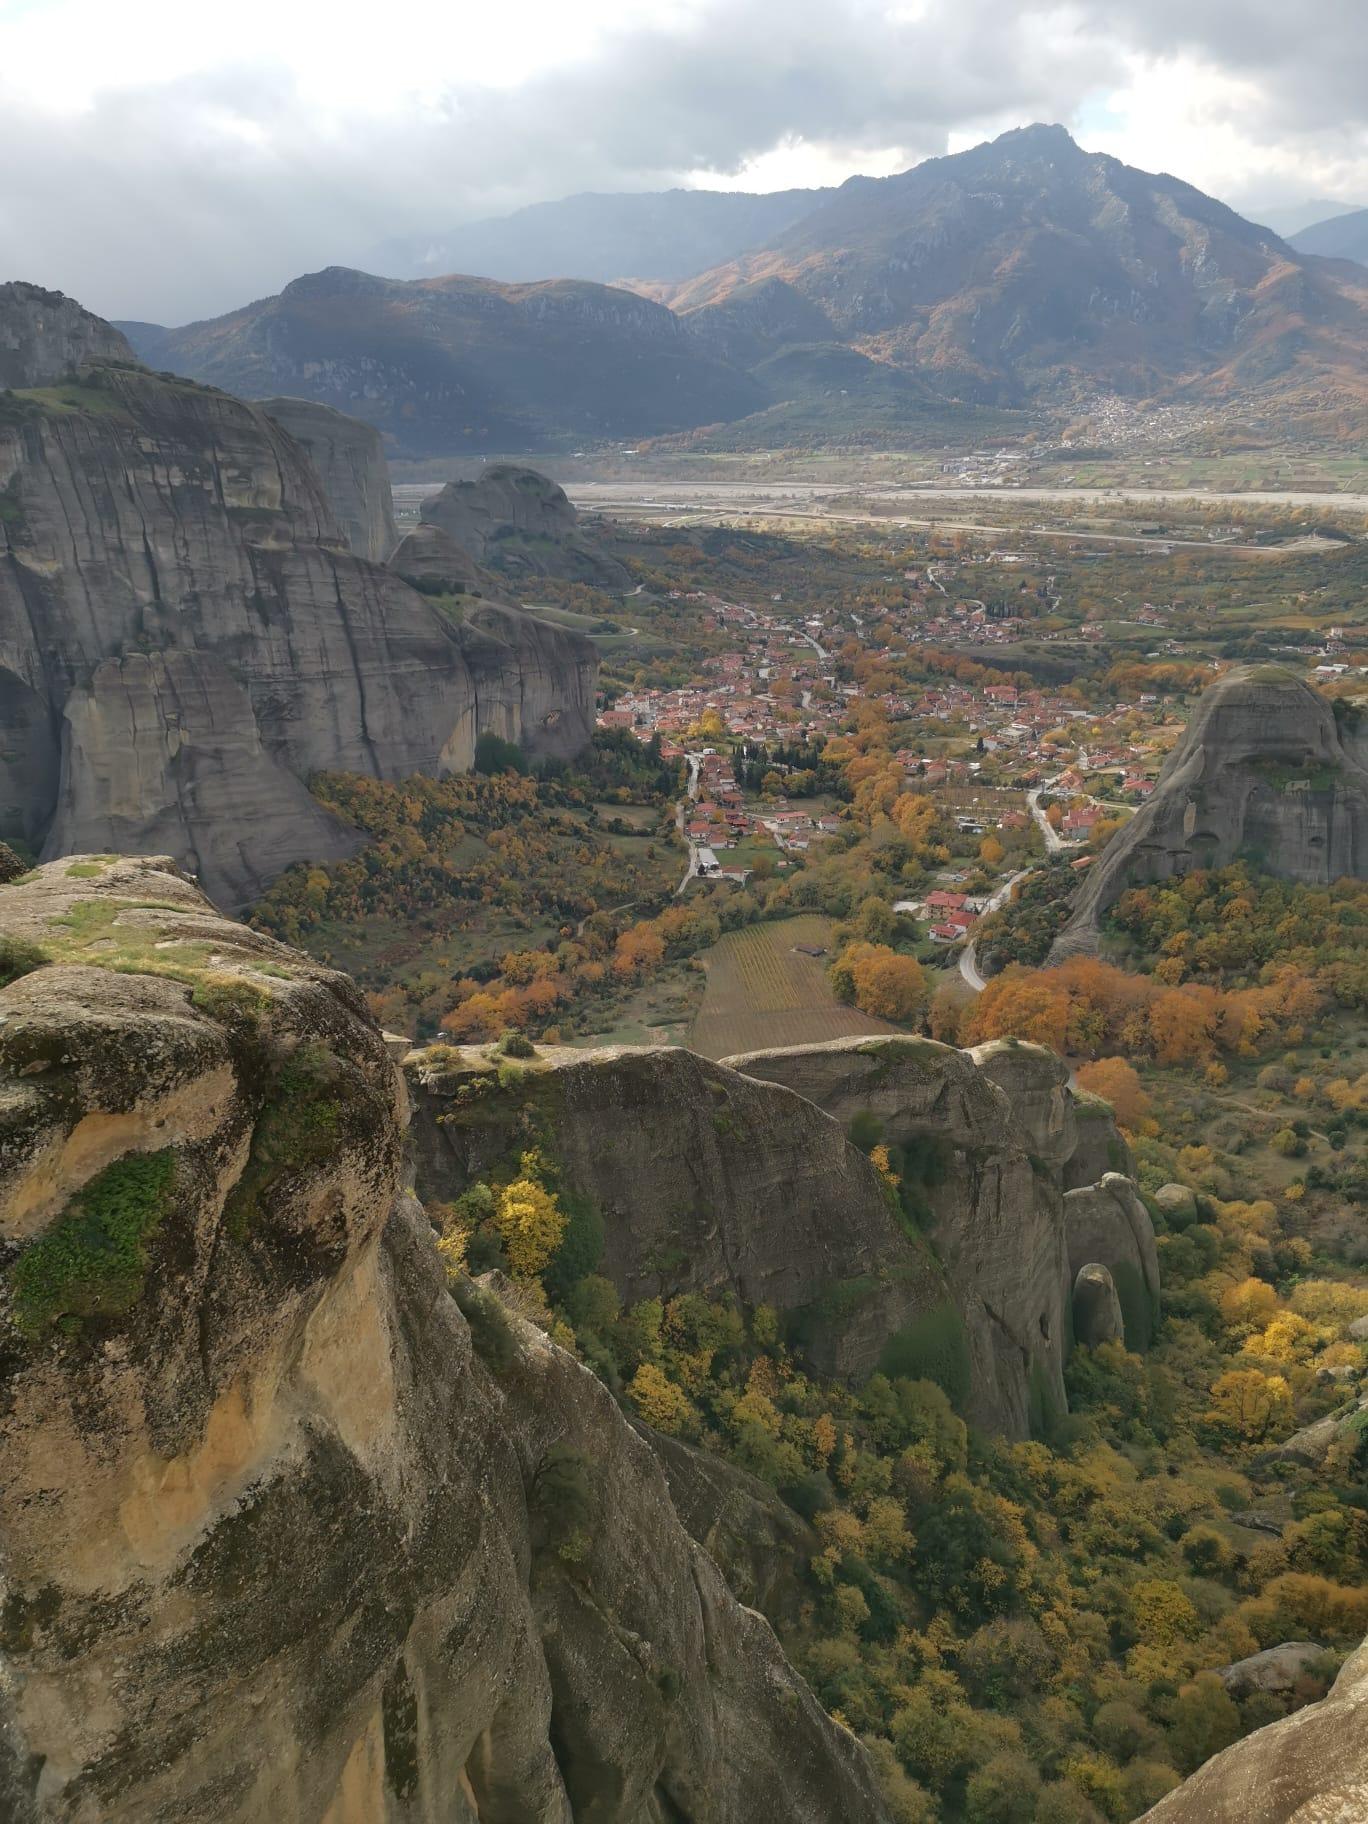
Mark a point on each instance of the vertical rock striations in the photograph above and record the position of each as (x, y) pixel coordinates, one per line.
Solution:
(185, 638)
(279, 1542)
(349, 459)
(1263, 772)
(45, 336)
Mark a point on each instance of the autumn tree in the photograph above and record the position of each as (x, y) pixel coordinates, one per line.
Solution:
(1116, 1082)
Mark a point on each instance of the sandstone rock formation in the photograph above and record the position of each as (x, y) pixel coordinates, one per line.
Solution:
(521, 524)
(989, 1133)
(1101, 1146)
(184, 639)
(1108, 1222)
(1096, 1308)
(430, 559)
(1309, 1768)
(1263, 771)
(279, 1542)
(705, 1181)
(349, 459)
(45, 336)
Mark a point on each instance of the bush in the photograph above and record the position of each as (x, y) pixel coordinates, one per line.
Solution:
(18, 958)
(495, 755)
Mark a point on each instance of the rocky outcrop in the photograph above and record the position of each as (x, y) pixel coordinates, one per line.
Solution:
(185, 639)
(279, 1541)
(1262, 773)
(987, 1136)
(430, 559)
(756, 1540)
(1108, 1222)
(47, 337)
(521, 524)
(1101, 1146)
(1276, 1669)
(1309, 1768)
(1096, 1308)
(349, 459)
(705, 1181)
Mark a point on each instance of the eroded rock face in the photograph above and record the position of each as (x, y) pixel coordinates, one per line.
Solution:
(1096, 1308)
(519, 522)
(1263, 772)
(45, 336)
(705, 1180)
(185, 639)
(274, 1537)
(1108, 1222)
(349, 458)
(1101, 1146)
(991, 1131)
(1311, 1767)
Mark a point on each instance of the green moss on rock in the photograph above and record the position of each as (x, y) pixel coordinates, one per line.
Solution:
(93, 1261)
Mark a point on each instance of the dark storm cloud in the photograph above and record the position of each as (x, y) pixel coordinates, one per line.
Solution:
(191, 196)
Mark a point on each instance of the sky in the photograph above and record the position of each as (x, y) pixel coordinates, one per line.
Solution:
(168, 161)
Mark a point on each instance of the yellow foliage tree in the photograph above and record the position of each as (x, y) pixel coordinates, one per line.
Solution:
(530, 1224)
(1250, 1403)
(660, 1402)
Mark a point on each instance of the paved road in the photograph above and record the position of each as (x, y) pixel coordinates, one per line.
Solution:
(1054, 842)
(968, 963)
(681, 819)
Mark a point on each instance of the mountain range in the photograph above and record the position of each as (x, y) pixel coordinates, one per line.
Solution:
(667, 234)
(1024, 273)
(1341, 237)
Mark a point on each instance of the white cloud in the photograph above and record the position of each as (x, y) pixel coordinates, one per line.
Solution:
(169, 161)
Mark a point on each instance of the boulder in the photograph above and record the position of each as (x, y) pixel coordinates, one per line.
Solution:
(978, 1130)
(1036, 1083)
(323, 1547)
(1176, 1204)
(1108, 1222)
(1308, 1768)
(704, 1180)
(1276, 1669)
(521, 523)
(1101, 1147)
(1096, 1308)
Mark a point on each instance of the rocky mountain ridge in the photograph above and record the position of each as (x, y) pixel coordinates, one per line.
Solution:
(185, 636)
(462, 363)
(1264, 770)
(1024, 273)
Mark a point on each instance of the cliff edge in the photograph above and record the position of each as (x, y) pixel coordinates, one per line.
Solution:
(185, 638)
(284, 1536)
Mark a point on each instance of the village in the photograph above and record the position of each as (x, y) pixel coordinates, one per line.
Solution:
(1023, 766)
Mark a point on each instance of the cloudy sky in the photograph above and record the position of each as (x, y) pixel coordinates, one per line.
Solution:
(167, 161)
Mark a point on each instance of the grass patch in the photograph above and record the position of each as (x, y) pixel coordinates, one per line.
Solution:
(94, 1260)
(18, 958)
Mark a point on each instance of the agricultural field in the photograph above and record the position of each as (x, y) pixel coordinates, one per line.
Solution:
(762, 990)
